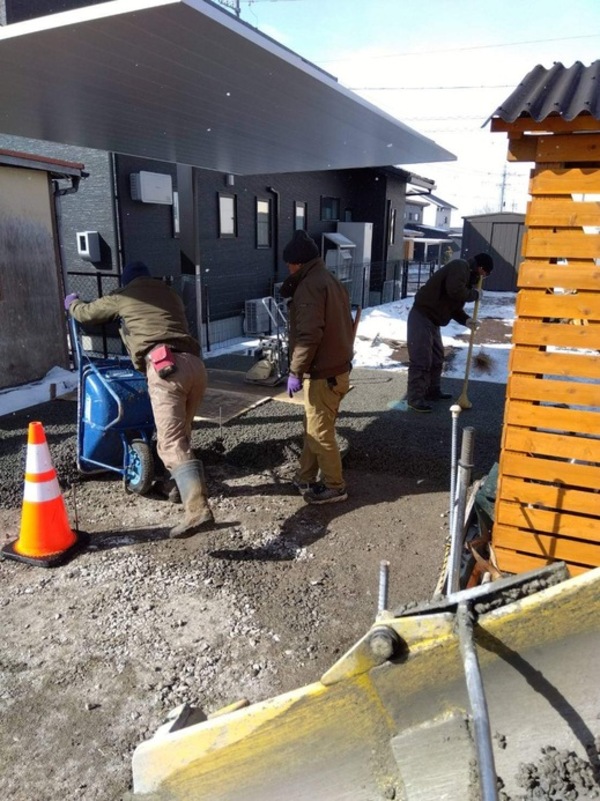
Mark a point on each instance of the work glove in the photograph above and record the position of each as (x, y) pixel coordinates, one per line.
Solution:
(69, 299)
(294, 384)
(472, 324)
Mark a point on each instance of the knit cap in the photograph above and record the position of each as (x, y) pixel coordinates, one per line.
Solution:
(300, 249)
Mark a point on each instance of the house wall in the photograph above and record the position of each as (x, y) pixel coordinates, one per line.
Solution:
(147, 229)
(234, 269)
(88, 209)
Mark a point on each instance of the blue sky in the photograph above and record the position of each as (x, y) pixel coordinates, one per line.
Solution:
(442, 68)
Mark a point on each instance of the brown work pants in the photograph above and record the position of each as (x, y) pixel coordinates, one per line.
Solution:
(320, 453)
(175, 400)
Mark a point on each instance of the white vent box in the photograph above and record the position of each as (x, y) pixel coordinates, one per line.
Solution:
(88, 245)
(151, 187)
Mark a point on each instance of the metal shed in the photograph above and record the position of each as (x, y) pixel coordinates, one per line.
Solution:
(501, 235)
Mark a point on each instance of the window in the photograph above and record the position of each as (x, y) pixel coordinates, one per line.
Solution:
(330, 208)
(263, 223)
(392, 238)
(227, 216)
(299, 216)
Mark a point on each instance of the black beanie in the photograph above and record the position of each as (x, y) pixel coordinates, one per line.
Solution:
(135, 269)
(485, 261)
(300, 249)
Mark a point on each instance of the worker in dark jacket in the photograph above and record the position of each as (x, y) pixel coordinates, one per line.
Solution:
(153, 327)
(321, 342)
(440, 300)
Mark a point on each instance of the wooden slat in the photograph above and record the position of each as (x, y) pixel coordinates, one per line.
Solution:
(524, 413)
(555, 363)
(522, 148)
(564, 181)
(562, 499)
(547, 522)
(585, 147)
(583, 553)
(572, 393)
(562, 243)
(575, 275)
(512, 562)
(562, 212)
(558, 124)
(529, 466)
(562, 445)
(564, 335)
(538, 303)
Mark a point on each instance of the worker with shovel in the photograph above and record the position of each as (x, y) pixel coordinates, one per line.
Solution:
(154, 330)
(437, 302)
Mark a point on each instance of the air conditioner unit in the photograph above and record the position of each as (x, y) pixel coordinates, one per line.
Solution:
(256, 317)
(151, 187)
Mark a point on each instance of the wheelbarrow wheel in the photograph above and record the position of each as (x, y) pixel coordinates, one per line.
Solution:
(139, 474)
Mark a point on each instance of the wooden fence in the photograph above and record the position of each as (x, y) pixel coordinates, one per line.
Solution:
(548, 494)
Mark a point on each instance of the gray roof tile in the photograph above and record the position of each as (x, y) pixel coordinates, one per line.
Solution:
(564, 91)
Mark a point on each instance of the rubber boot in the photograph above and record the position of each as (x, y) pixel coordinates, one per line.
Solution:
(169, 489)
(189, 477)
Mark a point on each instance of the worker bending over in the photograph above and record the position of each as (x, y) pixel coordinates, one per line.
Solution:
(154, 330)
(437, 302)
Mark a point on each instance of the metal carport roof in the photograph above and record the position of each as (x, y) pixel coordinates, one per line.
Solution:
(184, 81)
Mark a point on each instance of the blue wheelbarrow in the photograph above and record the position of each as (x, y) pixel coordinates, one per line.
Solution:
(115, 423)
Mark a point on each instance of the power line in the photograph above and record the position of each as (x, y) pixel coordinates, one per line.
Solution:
(465, 49)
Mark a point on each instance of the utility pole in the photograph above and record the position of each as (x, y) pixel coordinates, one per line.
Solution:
(503, 189)
(234, 5)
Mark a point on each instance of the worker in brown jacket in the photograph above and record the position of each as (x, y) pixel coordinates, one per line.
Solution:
(154, 330)
(321, 342)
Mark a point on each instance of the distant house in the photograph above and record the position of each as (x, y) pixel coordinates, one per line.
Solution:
(438, 213)
(430, 240)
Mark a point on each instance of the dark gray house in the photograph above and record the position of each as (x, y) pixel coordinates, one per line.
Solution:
(191, 126)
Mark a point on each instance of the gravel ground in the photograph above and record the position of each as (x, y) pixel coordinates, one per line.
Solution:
(96, 652)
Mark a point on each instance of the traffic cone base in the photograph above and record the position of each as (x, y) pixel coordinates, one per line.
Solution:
(9, 551)
(45, 537)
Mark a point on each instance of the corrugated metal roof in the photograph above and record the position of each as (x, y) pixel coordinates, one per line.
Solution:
(559, 91)
(184, 81)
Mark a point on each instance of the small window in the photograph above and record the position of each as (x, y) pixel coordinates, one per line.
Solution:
(299, 216)
(392, 226)
(227, 216)
(330, 208)
(263, 223)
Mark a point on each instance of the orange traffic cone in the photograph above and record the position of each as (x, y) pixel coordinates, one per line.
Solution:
(46, 537)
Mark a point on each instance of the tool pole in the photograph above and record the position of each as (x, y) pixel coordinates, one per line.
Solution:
(455, 410)
(463, 400)
(384, 573)
(478, 703)
(465, 465)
